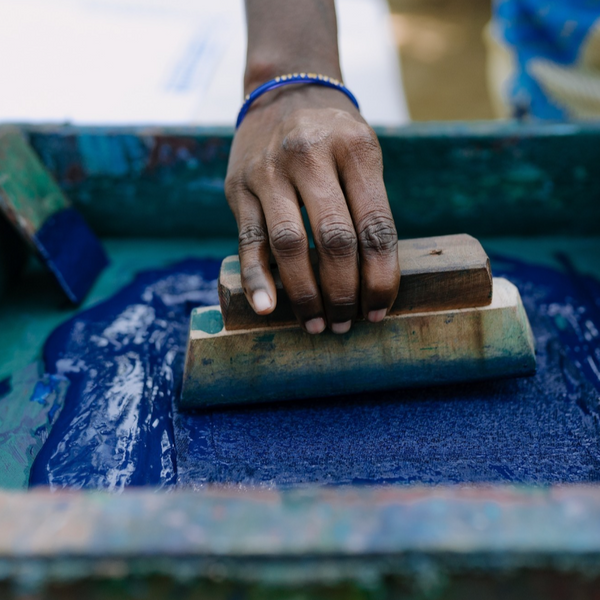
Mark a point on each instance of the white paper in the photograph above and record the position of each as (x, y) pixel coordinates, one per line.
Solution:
(171, 62)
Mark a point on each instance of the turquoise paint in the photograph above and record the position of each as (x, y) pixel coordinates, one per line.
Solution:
(488, 179)
(208, 321)
(112, 156)
(27, 411)
(231, 267)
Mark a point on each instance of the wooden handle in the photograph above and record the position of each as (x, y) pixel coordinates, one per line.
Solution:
(438, 273)
(420, 349)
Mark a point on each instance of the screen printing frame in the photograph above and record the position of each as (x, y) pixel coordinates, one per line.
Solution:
(490, 179)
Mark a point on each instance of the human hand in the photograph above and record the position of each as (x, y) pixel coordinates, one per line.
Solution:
(309, 146)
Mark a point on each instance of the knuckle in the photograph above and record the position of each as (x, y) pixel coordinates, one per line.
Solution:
(336, 239)
(260, 174)
(234, 185)
(251, 237)
(344, 300)
(266, 166)
(303, 141)
(288, 239)
(303, 299)
(363, 143)
(378, 234)
(383, 292)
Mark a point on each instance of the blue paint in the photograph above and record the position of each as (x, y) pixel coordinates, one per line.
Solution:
(49, 389)
(41, 392)
(124, 360)
(5, 386)
(71, 250)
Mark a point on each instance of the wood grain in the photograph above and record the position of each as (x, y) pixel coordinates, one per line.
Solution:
(415, 349)
(438, 273)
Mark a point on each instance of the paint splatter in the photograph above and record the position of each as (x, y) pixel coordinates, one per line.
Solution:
(47, 392)
(119, 427)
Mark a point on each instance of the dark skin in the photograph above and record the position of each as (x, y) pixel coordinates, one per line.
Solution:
(305, 145)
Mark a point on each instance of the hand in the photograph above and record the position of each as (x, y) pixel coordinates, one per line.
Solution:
(308, 145)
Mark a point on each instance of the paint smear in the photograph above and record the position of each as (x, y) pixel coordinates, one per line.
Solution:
(71, 250)
(5, 386)
(119, 427)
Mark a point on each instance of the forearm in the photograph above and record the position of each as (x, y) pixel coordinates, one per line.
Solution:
(287, 36)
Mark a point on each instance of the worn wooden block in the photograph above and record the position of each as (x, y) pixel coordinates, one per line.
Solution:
(438, 273)
(413, 349)
(38, 210)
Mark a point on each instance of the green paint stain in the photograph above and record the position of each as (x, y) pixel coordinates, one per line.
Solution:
(24, 424)
(231, 267)
(266, 338)
(561, 322)
(209, 321)
(26, 187)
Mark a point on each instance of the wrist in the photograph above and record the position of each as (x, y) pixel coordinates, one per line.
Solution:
(260, 71)
(280, 104)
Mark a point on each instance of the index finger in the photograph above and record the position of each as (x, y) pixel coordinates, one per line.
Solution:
(289, 244)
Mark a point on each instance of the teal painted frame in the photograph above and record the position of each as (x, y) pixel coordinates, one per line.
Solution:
(348, 543)
(490, 179)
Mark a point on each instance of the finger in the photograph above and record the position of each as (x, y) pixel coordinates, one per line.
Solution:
(361, 173)
(289, 244)
(336, 242)
(257, 280)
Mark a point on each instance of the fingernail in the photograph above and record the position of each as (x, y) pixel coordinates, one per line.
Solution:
(377, 315)
(261, 301)
(341, 327)
(315, 326)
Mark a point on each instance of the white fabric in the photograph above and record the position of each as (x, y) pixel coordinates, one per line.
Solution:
(172, 62)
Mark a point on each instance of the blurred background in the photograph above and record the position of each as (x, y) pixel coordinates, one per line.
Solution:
(443, 57)
(180, 62)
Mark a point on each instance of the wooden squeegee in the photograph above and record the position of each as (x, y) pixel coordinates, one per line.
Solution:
(450, 323)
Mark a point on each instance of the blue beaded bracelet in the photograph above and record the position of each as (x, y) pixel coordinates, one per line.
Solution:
(311, 78)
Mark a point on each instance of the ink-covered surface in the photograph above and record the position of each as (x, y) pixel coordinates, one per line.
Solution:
(29, 313)
(120, 428)
(488, 179)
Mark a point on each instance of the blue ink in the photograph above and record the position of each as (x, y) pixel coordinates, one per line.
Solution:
(119, 427)
(56, 406)
(123, 359)
(41, 391)
(71, 250)
(5, 386)
(48, 388)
